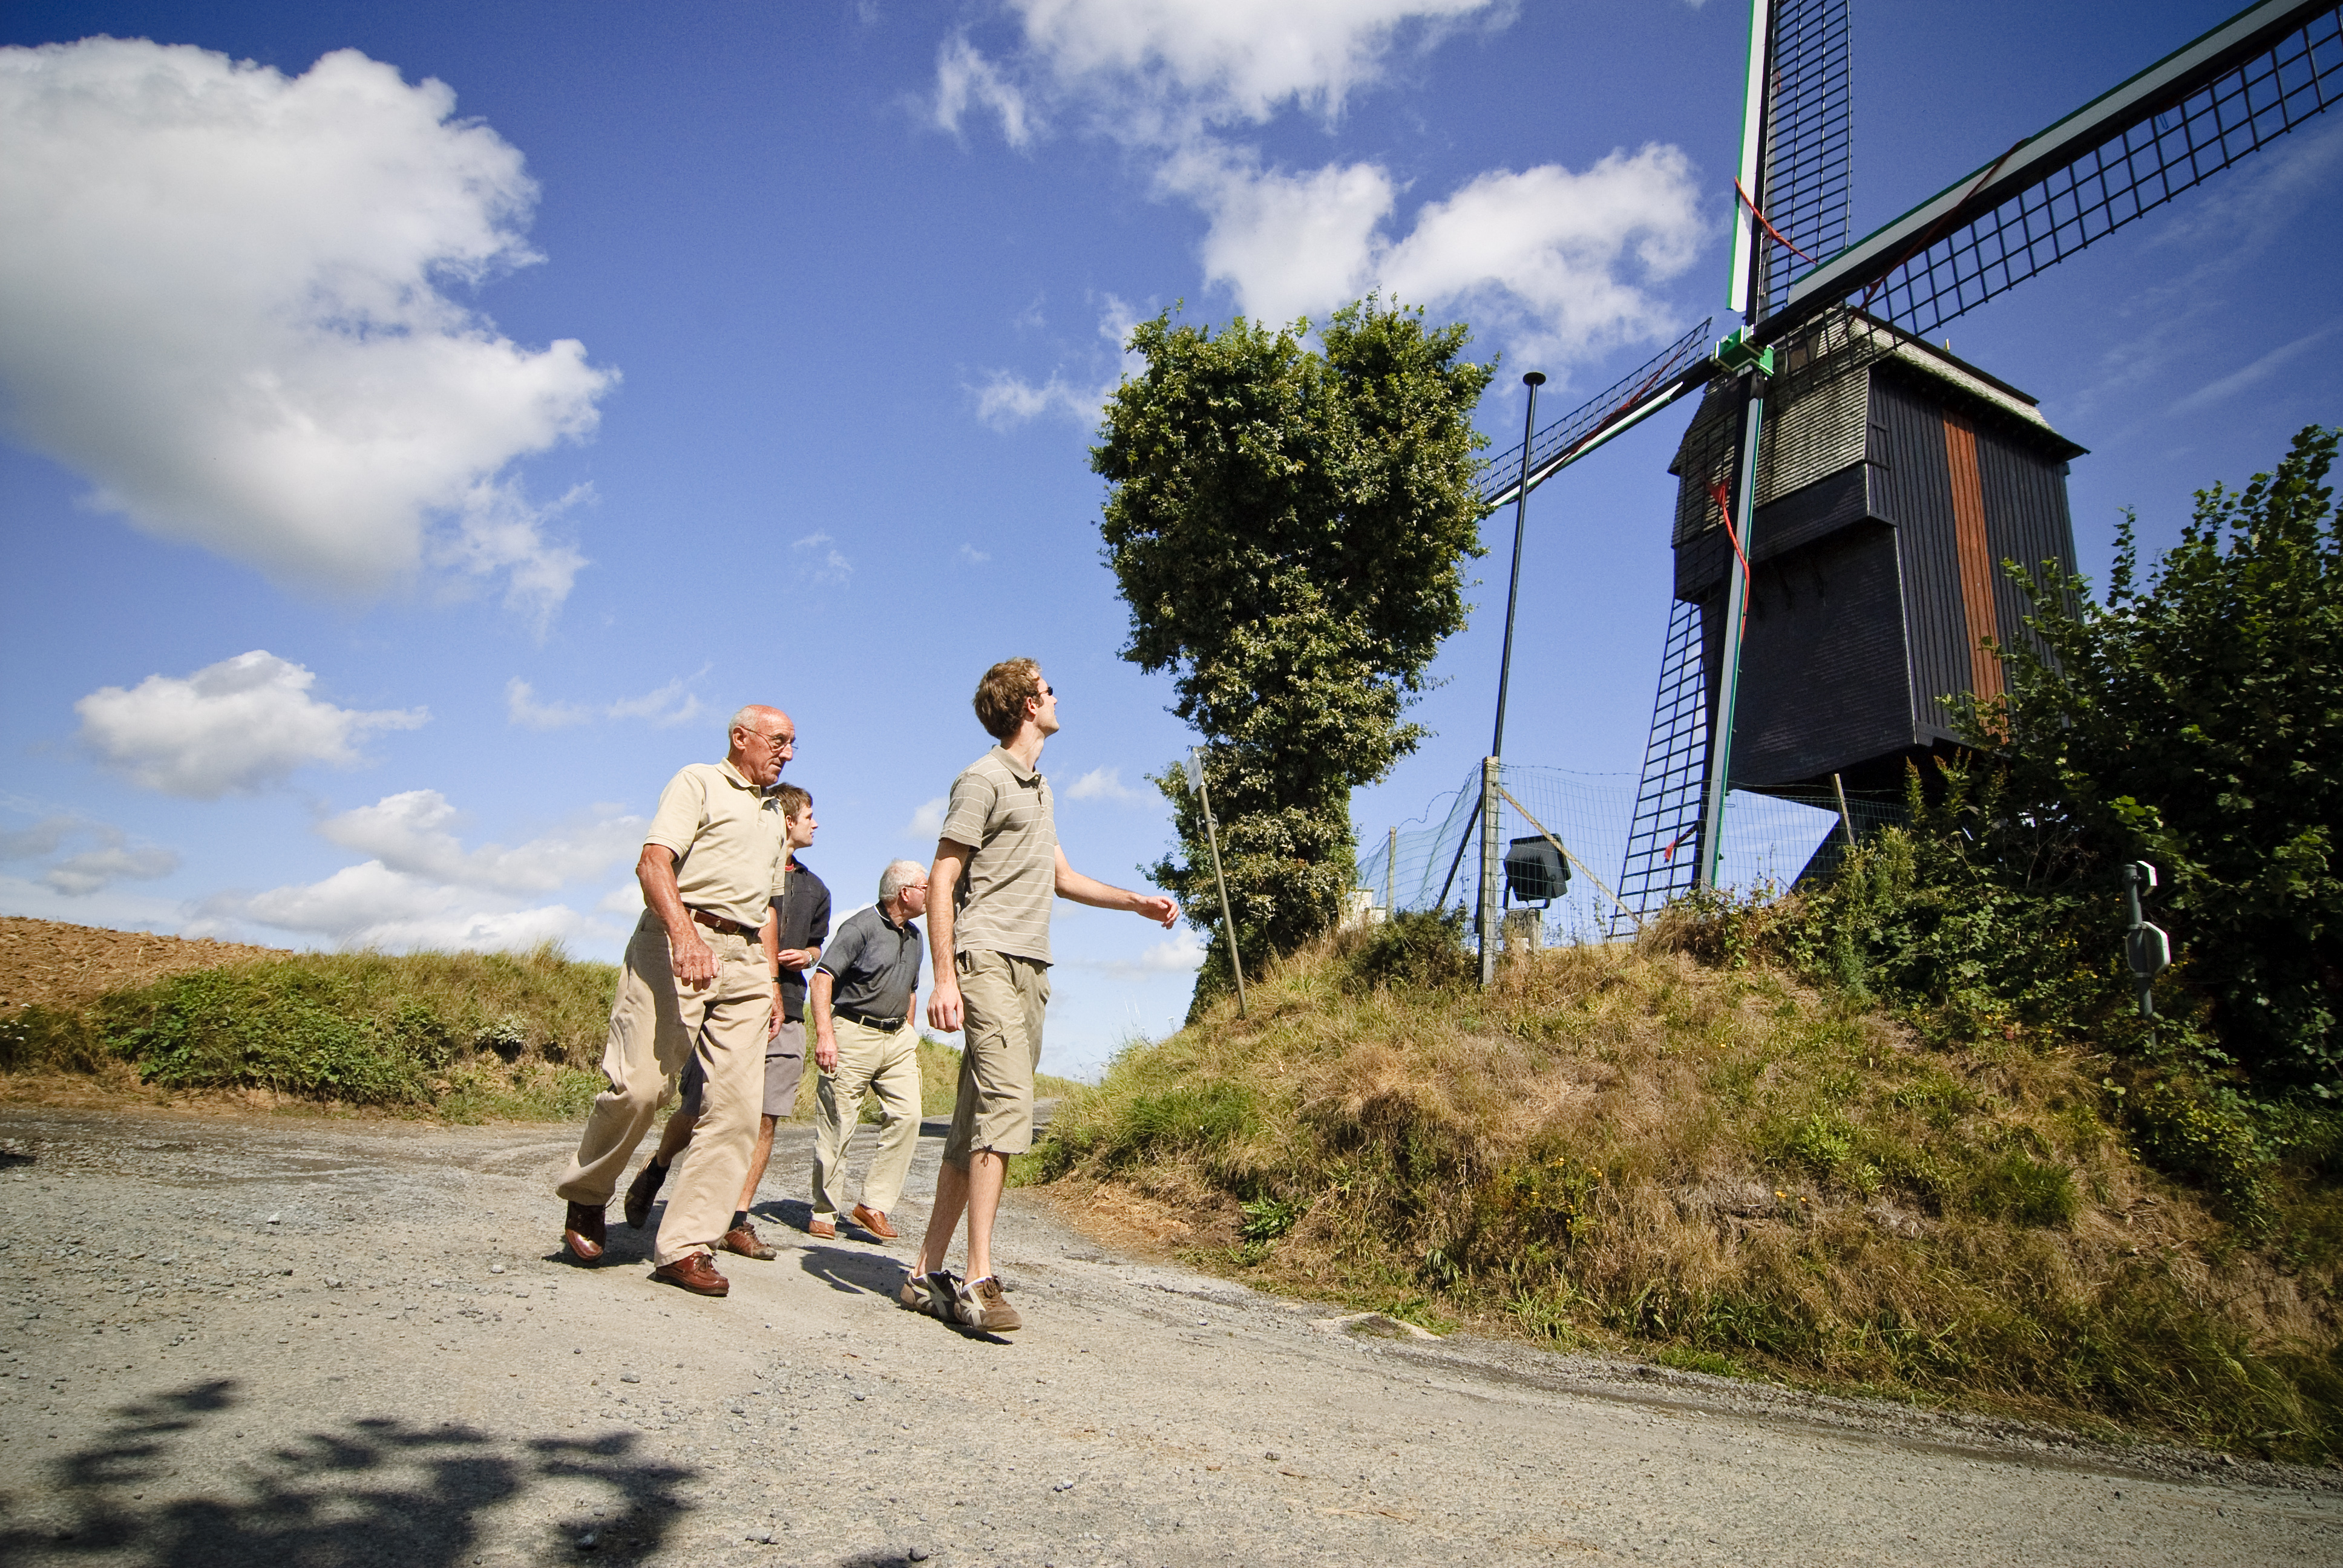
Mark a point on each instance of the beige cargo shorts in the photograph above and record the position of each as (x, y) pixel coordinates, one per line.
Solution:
(1003, 997)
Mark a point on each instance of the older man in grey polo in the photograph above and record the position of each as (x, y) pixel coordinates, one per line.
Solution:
(698, 982)
(860, 996)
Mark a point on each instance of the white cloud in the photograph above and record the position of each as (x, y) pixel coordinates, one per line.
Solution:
(1285, 244)
(823, 565)
(626, 899)
(1181, 952)
(522, 708)
(666, 707)
(43, 838)
(1215, 60)
(2253, 375)
(232, 727)
(1557, 264)
(373, 905)
(1105, 784)
(1006, 399)
(409, 834)
(928, 821)
(92, 870)
(964, 78)
(974, 557)
(221, 300)
(1553, 255)
(1554, 259)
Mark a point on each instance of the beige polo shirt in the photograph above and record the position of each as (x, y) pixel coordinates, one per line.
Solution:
(728, 839)
(1001, 810)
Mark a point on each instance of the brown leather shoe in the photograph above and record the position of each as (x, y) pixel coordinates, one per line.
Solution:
(744, 1239)
(641, 1191)
(821, 1229)
(873, 1221)
(581, 1232)
(695, 1273)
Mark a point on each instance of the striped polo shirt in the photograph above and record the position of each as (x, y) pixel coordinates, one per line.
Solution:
(1001, 810)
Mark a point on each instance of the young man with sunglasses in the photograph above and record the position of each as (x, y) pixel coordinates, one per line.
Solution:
(997, 869)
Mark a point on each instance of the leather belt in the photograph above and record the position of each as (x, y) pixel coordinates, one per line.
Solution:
(718, 923)
(884, 1025)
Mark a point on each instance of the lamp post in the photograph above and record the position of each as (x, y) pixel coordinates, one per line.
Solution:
(1490, 769)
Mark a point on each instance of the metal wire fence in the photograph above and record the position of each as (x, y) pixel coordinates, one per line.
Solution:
(1433, 861)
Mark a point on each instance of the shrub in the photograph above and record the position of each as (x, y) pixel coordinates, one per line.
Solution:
(1421, 949)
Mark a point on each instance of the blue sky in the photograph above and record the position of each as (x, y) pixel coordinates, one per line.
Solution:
(425, 423)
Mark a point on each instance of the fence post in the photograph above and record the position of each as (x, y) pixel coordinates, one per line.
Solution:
(1390, 874)
(1491, 870)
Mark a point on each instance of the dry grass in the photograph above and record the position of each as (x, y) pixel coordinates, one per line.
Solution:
(1726, 1169)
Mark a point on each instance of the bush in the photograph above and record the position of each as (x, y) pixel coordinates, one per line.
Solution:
(37, 1037)
(2193, 724)
(1422, 949)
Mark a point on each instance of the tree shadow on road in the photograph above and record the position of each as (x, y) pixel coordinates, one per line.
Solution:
(373, 1490)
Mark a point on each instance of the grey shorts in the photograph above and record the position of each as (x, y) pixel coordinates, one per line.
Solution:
(784, 1065)
(1004, 998)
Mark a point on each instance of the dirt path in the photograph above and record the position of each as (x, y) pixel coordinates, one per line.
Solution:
(281, 1342)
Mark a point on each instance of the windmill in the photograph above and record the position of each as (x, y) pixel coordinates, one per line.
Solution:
(1845, 488)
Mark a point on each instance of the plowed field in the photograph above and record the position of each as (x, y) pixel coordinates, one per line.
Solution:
(58, 965)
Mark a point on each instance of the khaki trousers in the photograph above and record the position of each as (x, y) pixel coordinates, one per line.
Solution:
(887, 1065)
(656, 1028)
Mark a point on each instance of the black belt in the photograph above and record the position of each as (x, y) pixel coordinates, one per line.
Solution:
(884, 1025)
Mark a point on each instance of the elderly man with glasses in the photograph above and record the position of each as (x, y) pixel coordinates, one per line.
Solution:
(864, 1041)
(698, 983)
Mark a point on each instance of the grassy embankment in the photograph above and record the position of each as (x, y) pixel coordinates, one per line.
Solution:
(1727, 1171)
(461, 1037)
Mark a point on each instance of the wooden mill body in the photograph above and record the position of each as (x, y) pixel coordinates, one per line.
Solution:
(1893, 480)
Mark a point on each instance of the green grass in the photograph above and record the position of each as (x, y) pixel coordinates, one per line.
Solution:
(465, 1036)
(1723, 1169)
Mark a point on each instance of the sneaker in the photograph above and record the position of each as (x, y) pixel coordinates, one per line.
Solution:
(931, 1295)
(980, 1305)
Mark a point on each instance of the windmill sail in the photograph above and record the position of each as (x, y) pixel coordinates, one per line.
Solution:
(2129, 151)
(1807, 189)
(1643, 391)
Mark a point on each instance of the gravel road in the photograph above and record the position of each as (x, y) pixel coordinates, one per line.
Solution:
(278, 1342)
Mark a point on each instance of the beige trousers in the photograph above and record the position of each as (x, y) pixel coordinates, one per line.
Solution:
(887, 1065)
(656, 1028)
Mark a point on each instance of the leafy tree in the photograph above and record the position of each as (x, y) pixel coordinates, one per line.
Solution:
(2198, 724)
(1289, 527)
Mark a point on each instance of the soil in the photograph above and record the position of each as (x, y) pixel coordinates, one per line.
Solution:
(57, 965)
(230, 1340)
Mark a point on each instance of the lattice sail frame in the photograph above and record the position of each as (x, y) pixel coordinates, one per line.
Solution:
(1808, 187)
(2145, 155)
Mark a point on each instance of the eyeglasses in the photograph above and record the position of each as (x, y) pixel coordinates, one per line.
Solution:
(1047, 691)
(787, 743)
